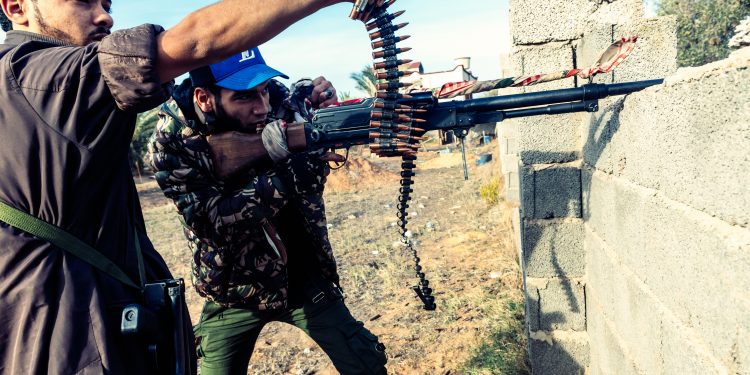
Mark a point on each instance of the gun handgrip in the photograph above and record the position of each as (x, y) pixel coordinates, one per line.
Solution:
(295, 137)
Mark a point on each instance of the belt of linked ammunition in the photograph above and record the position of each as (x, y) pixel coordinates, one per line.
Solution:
(393, 125)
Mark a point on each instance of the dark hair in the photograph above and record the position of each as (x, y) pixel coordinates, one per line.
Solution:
(216, 90)
(5, 22)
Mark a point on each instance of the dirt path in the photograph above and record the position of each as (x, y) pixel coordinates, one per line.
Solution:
(466, 250)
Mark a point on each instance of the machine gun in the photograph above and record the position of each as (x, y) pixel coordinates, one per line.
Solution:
(352, 123)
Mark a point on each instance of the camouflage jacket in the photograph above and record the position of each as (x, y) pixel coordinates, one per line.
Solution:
(234, 228)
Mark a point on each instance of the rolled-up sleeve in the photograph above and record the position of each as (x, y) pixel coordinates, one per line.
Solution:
(128, 64)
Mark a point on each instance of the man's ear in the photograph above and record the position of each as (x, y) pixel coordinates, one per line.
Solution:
(16, 11)
(204, 99)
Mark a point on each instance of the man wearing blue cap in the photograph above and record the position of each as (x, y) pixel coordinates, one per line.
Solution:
(259, 238)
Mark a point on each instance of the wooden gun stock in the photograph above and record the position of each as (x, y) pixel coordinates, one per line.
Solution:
(233, 152)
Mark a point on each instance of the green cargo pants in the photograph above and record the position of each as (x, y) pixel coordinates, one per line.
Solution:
(226, 336)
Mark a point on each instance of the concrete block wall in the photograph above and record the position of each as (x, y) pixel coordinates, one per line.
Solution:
(633, 221)
(666, 208)
(545, 39)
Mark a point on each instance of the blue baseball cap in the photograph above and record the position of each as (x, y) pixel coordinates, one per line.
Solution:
(240, 72)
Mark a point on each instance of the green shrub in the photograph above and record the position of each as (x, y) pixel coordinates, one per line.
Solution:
(704, 27)
(490, 191)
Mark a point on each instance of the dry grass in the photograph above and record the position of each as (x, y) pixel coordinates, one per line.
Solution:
(466, 249)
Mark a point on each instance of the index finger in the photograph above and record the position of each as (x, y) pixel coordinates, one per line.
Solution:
(334, 157)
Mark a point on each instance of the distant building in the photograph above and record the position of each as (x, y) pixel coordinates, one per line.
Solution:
(427, 81)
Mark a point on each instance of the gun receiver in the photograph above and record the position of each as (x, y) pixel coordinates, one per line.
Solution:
(349, 124)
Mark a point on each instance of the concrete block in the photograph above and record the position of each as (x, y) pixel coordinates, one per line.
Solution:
(512, 191)
(511, 145)
(543, 59)
(655, 54)
(511, 180)
(618, 12)
(558, 353)
(687, 139)
(599, 131)
(517, 230)
(597, 38)
(554, 248)
(555, 304)
(507, 133)
(509, 165)
(647, 331)
(551, 191)
(693, 264)
(549, 139)
(542, 21)
(608, 355)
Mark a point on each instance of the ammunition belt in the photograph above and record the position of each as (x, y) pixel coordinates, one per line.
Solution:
(395, 131)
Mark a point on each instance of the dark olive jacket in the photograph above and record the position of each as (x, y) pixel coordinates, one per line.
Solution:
(67, 117)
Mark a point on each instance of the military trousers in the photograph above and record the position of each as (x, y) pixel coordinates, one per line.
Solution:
(226, 336)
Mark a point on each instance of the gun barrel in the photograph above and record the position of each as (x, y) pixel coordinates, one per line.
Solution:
(586, 92)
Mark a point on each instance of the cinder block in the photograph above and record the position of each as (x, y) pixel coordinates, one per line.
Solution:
(555, 304)
(549, 139)
(608, 355)
(599, 130)
(509, 164)
(597, 38)
(618, 12)
(511, 145)
(648, 331)
(506, 130)
(611, 296)
(511, 180)
(512, 191)
(551, 191)
(542, 21)
(567, 355)
(655, 54)
(516, 222)
(543, 59)
(688, 140)
(554, 248)
(693, 264)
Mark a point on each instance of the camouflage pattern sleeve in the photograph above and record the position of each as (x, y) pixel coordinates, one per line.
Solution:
(216, 212)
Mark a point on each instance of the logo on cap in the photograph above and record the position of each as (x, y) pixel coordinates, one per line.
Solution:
(247, 55)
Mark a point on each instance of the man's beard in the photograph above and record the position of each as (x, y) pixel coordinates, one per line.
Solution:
(53, 32)
(62, 35)
(224, 121)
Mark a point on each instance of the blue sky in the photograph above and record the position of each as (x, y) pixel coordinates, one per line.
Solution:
(328, 43)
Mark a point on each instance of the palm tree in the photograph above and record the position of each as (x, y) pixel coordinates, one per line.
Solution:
(365, 80)
(344, 96)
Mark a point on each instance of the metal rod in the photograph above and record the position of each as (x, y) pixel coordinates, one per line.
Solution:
(463, 155)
